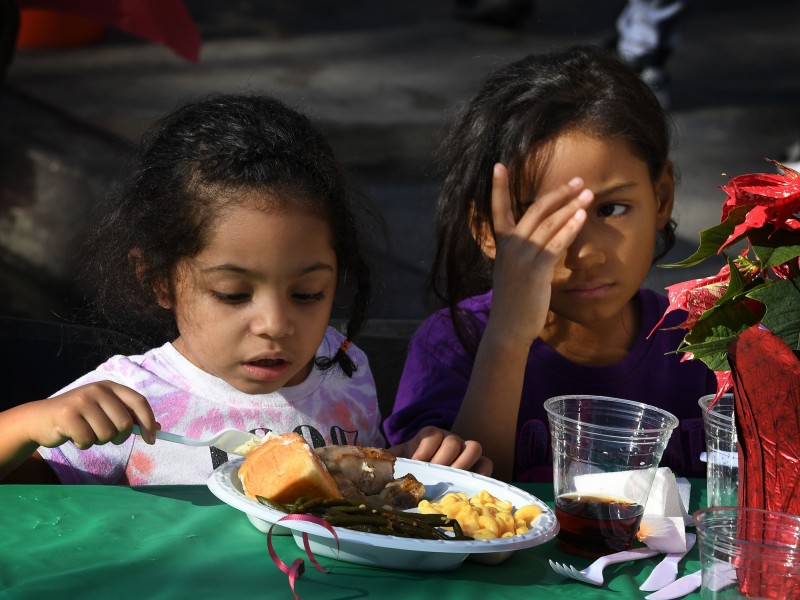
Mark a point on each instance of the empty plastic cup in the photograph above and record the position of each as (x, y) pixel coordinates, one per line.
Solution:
(605, 455)
(722, 455)
(748, 553)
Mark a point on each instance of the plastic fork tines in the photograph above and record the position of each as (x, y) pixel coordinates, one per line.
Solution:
(593, 574)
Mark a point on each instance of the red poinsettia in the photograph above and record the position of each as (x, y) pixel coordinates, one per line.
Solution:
(759, 286)
(744, 323)
(696, 297)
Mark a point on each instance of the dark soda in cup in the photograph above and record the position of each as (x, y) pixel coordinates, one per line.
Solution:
(592, 526)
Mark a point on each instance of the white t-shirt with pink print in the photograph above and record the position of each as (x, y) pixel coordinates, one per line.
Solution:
(327, 408)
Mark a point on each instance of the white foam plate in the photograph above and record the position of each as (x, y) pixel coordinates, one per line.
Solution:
(395, 552)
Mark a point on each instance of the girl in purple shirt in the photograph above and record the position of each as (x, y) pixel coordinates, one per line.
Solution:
(557, 199)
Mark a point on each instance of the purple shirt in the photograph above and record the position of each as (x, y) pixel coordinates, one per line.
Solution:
(438, 368)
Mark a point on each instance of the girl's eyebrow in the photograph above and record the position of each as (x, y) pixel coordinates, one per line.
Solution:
(233, 268)
(615, 189)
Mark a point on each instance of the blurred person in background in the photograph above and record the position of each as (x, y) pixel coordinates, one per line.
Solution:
(646, 32)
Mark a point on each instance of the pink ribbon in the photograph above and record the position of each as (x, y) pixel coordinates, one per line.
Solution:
(297, 567)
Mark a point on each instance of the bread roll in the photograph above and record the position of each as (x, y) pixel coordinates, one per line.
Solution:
(284, 469)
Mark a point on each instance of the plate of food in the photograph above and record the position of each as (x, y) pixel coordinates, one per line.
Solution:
(474, 516)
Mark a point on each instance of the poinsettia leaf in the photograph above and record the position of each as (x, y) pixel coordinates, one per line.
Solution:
(736, 283)
(774, 255)
(713, 354)
(773, 202)
(762, 189)
(756, 219)
(713, 238)
(770, 237)
(788, 172)
(738, 289)
(712, 333)
(782, 317)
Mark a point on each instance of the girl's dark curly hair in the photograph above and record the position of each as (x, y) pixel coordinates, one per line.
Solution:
(520, 109)
(190, 167)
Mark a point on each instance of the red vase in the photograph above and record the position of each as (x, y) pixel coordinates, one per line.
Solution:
(766, 376)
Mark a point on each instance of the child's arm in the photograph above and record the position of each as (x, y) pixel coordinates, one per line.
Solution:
(526, 254)
(96, 413)
(441, 447)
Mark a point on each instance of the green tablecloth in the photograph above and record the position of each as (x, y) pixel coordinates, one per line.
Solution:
(176, 542)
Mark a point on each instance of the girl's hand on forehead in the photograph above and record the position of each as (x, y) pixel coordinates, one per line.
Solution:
(527, 252)
(96, 413)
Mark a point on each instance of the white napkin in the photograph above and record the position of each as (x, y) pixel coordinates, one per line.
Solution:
(669, 496)
(663, 525)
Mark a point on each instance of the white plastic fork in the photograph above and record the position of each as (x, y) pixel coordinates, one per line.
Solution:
(232, 441)
(593, 574)
(666, 571)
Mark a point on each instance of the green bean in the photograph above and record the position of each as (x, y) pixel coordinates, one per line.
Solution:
(273, 505)
(353, 509)
(341, 503)
(457, 530)
(415, 531)
(404, 514)
(307, 505)
(372, 529)
(347, 520)
(351, 514)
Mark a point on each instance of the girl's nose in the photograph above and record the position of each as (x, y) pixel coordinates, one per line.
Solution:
(273, 320)
(586, 251)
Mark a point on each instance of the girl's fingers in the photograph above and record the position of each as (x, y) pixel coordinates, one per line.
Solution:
(444, 448)
(82, 434)
(484, 466)
(441, 447)
(109, 419)
(140, 410)
(544, 219)
(426, 443)
(502, 214)
(102, 412)
(468, 455)
(550, 212)
(562, 237)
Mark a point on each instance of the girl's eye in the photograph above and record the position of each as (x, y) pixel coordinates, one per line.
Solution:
(307, 298)
(232, 298)
(612, 209)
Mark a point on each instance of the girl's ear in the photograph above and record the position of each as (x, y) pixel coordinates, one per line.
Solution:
(162, 295)
(483, 236)
(665, 195)
(160, 289)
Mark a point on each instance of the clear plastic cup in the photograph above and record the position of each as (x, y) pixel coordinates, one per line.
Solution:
(722, 454)
(605, 455)
(748, 553)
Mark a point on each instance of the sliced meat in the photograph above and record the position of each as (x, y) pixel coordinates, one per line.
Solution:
(358, 469)
(404, 492)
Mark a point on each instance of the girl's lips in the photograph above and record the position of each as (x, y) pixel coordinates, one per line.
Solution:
(590, 291)
(266, 369)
